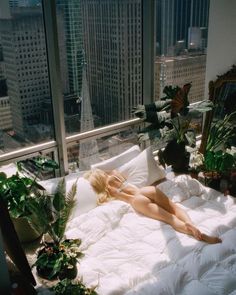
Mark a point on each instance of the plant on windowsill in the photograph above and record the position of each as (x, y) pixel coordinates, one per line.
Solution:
(19, 191)
(219, 159)
(56, 258)
(170, 129)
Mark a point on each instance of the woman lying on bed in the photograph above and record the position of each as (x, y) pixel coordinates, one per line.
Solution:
(148, 200)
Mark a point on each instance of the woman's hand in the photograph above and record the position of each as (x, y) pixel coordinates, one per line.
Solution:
(113, 191)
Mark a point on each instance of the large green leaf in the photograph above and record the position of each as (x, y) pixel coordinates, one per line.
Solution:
(45, 163)
(62, 213)
(59, 197)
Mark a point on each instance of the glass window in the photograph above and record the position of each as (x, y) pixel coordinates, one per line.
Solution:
(24, 120)
(93, 150)
(181, 47)
(101, 70)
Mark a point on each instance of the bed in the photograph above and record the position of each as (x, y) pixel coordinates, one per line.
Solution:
(128, 253)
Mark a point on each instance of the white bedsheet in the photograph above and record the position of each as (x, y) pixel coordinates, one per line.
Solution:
(127, 253)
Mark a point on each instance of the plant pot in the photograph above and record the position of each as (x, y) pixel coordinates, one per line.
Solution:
(176, 155)
(24, 231)
(69, 272)
(52, 252)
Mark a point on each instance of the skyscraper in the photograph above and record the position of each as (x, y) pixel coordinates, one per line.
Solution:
(180, 70)
(176, 20)
(25, 60)
(70, 12)
(113, 49)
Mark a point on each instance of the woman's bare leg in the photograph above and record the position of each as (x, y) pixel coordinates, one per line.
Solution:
(164, 202)
(144, 205)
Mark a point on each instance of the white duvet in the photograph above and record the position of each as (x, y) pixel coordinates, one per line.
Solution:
(128, 253)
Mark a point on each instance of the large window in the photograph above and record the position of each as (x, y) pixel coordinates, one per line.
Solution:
(25, 99)
(102, 52)
(181, 46)
(101, 61)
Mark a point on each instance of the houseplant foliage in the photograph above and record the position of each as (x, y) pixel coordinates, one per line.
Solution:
(217, 156)
(170, 125)
(57, 258)
(19, 190)
(69, 287)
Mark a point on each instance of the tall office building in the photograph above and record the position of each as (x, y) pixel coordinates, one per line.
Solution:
(113, 50)
(3, 85)
(180, 70)
(70, 30)
(177, 20)
(25, 60)
(24, 3)
(5, 114)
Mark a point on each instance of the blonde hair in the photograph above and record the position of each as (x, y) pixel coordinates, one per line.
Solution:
(98, 181)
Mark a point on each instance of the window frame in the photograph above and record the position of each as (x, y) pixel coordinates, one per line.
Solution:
(61, 142)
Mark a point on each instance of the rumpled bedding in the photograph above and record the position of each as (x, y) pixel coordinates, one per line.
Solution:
(128, 253)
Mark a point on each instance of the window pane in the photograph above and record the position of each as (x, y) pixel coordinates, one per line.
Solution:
(90, 151)
(181, 45)
(101, 61)
(30, 169)
(25, 102)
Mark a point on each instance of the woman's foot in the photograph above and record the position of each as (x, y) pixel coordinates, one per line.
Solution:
(193, 231)
(211, 240)
(200, 236)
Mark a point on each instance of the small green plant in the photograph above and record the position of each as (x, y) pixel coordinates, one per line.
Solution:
(20, 190)
(171, 128)
(69, 287)
(217, 156)
(57, 258)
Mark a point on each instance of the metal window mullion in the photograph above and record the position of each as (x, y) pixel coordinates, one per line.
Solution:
(149, 43)
(50, 23)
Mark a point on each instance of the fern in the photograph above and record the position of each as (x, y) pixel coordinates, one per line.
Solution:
(50, 213)
(63, 204)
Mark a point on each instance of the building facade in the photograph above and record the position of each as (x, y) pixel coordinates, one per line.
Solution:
(71, 39)
(180, 70)
(113, 53)
(5, 114)
(178, 20)
(25, 60)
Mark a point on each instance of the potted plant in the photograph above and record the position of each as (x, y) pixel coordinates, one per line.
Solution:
(19, 191)
(69, 287)
(219, 160)
(56, 258)
(170, 129)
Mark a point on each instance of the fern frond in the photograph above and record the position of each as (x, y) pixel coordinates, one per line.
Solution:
(63, 215)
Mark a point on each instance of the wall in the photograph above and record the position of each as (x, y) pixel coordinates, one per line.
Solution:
(221, 52)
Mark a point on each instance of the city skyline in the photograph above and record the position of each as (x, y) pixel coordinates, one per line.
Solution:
(106, 34)
(176, 23)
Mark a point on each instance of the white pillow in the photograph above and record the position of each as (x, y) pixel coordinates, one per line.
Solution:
(115, 162)
(86, 198)
(143, 169)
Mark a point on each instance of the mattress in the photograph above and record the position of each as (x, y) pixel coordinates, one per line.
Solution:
(128, 253)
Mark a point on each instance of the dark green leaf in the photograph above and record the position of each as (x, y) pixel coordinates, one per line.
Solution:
(3, 176)
(58, 201)
(45, 163)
